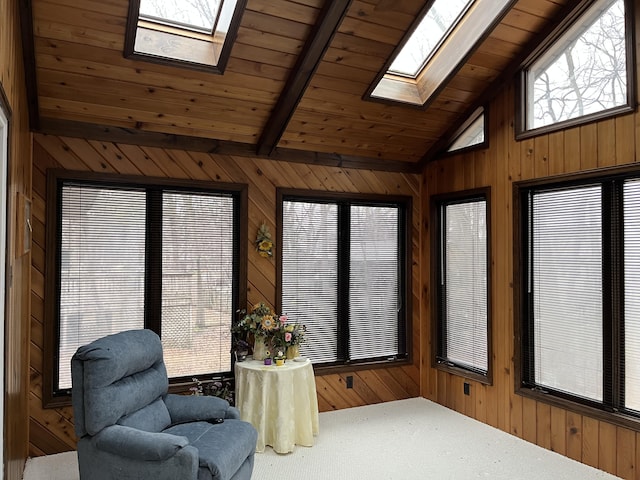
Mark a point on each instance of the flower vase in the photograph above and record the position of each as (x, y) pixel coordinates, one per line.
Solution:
(293, 351)
(259, 348)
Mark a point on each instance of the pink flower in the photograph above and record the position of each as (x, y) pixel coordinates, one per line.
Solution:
(287, 337)
(283, 319)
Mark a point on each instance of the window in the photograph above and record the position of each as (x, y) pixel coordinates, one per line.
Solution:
(580, 284)
(196, 34)
(471, 133)
(583, 73)
(129, 255)
(344, 274)
(442, 37)
(461, 249)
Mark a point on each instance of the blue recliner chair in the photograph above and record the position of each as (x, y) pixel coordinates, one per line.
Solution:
(129, 427)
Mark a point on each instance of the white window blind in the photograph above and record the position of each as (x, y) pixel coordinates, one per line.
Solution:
(631, 193)
(310, 274)
(197, 283)
(465, 285)
(102, 266)
(567, 291)
(374, 294)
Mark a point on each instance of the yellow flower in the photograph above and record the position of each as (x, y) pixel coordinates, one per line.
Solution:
(268, 323)
(263, 253)
(289, 328)
(265, 245)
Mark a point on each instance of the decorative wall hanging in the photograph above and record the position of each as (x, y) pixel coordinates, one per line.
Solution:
(264, 244)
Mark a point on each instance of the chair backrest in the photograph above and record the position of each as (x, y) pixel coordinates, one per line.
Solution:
(114, 376)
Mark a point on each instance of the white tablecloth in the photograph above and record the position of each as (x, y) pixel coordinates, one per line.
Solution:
(280, 402)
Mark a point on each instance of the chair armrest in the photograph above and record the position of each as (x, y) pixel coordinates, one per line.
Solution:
(138, 444)
(192, 408)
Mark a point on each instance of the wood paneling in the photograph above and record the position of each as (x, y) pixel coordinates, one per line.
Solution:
(16, 324)
(51, 430)
(606, 143)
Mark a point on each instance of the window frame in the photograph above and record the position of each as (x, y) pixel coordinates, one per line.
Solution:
(612, 299)
(208, 42)
(405, 205)
(521, 130)
(56, 178)
(437, 297)
(482, 111)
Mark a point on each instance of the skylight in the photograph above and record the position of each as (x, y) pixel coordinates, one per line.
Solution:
(193, 33)
(432, 30)
(198, 15)
(442, 38)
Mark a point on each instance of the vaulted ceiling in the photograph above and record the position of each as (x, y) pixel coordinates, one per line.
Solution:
(293, 87)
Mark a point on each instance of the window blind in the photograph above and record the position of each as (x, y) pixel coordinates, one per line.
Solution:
(465, 285)
(102, 266)
(310, 274)
(374, 288)
(631, 202)
(567, 291)
(198, 252)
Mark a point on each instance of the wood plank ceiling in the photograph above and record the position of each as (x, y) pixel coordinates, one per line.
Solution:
(293, 87)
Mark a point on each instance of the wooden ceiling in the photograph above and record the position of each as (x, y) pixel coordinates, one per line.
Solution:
(293, 87)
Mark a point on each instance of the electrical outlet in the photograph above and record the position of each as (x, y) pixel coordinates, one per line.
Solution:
(349, 381)
(466, 388)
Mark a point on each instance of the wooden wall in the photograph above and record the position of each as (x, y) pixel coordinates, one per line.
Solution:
(12, 82)
(606, 143)
(51, 430)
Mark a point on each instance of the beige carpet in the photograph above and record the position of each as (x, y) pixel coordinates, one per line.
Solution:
(404, 440)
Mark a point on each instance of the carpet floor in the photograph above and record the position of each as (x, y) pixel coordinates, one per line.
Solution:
(411, 439)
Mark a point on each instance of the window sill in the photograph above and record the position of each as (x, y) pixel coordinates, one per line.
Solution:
(355, 367)
(461, 372)
(614, 418)
(523, 134)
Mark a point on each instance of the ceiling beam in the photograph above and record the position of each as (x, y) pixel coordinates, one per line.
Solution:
(132, 136)
(325, 28)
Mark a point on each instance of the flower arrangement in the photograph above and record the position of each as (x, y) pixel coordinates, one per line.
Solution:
(289, 334)
(261, 321)
(274, 331)
(264, 243)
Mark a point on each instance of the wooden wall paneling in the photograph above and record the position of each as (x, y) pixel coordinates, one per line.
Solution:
(556, 153)
(543, 425)
(572, 150)
(625, 141)
(367, 395)
(541, 156)
(331, 399)
(626, 454)
(108, 154)
(606, 143)
(481, 402)
(558, 430)
(574, 436)
(588, 146)
(607, 448)
(14, 100)
(527, 157)
(516, 401)
(51, 428)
